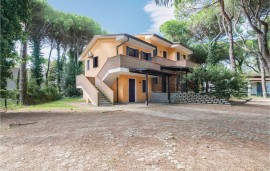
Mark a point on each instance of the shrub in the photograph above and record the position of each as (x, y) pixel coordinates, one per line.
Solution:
(37, 95)
(223, 82)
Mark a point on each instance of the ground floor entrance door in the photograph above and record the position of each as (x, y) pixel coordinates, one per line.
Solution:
(131, 90)
(259, 88)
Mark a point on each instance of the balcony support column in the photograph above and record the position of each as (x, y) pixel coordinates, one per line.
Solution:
(117, 89)
(146, 89)
(169, 90)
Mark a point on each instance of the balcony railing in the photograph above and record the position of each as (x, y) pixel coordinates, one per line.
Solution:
(168, 62)
(122, 61)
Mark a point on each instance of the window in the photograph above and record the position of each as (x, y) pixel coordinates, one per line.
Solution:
(88, 64)
(144, 86)
(132, 52)
(146, 56)
(95, 62)
(155, 52)
(164, 54)
(184, 56)
(164, 84)
(155, 80)
(178, 56)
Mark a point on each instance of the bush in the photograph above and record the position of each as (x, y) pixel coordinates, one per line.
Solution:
(223, 82)
(37, 95)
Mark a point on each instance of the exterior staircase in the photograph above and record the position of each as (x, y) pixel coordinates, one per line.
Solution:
(95, 95)
(102, 99)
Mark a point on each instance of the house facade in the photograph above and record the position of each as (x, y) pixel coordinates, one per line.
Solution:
(255, 85)
(123, 68)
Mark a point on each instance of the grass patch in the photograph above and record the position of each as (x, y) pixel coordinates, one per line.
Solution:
(59, 104)
(11, 104)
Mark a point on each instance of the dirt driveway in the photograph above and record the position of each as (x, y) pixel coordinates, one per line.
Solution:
(135, 137)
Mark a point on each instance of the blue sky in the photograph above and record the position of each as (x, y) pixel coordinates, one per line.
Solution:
(119, 16)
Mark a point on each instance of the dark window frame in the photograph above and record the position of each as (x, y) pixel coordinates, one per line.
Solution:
(155, 52)
(178, 56)
(132, 52)
(95, 62)
(184, 57)
(165, 54)
(146, 56)
(144, 86)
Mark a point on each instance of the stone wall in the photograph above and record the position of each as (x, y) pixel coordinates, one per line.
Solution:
(196, 98)
(187, 98)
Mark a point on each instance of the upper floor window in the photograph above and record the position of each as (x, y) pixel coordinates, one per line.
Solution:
(178, 56)
(184, 56)
(88, 64)
(95, 62)
(155, 52)
(146, 56)
(144, 86)
(164, 54)
(132, 52)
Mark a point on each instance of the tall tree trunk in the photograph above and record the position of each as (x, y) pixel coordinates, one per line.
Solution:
(262, 67)
(261, 27)
(48, 65)
(264, 91)
(265, 51)
(231, 48)
(23, 73)
(58, 66)
(229, 32)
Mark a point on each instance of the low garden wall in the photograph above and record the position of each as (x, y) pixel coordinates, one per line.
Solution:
(187, 98)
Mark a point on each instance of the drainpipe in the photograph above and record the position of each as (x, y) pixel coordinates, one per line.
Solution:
(121, 45)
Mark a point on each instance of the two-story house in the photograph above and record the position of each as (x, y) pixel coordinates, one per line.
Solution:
(122, 68)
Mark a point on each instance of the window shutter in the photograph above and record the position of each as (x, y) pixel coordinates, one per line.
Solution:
(164, 54)
(155, 52)
(95, 62)
(137, 53)
(127, 51)
(178, 56)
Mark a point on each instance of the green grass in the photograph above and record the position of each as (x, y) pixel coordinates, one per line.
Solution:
(59, 104)
(11, 104)
(63, 103)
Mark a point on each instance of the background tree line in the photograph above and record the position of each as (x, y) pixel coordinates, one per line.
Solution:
(35, 24)
(221, 32)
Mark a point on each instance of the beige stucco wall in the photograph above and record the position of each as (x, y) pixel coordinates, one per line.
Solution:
(123, 89)
(103, 48)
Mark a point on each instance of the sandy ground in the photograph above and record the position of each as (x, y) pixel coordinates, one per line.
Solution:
(135, 137)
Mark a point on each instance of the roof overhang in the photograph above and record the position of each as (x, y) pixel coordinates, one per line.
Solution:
(121, 38)
(162, 41)
(91, 44)
(158, 39)
(136, 42)
(182, 48)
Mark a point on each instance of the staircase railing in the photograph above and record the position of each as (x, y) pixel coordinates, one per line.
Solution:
(89, 89)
